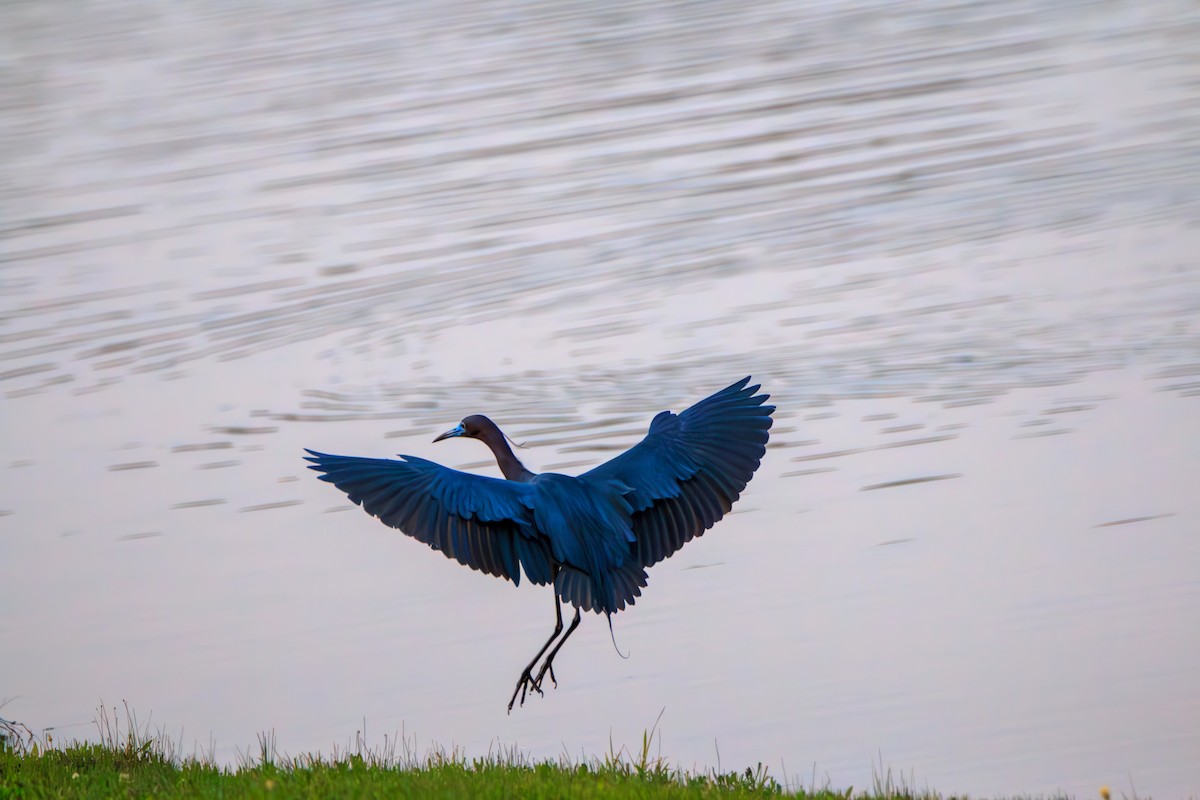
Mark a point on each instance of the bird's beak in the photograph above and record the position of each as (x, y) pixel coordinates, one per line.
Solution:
(457, 430)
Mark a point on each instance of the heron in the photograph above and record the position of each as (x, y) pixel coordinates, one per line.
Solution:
(590, 536)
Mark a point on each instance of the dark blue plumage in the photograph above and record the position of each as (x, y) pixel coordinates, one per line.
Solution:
(592, 535)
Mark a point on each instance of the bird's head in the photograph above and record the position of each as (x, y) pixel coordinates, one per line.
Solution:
(471, 427)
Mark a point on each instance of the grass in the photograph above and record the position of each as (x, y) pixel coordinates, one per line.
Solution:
(129, 761)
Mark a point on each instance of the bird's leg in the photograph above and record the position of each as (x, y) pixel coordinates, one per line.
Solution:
(526, 681)
(547, 664)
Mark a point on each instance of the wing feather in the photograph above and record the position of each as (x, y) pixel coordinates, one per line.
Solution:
(690, 468)
(484, 523)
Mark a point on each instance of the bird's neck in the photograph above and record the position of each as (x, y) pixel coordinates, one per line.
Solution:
(509, 464)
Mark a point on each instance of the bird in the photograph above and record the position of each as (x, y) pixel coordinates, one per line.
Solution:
(592, 536)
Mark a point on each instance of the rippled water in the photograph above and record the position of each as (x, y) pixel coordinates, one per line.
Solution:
(956, 242)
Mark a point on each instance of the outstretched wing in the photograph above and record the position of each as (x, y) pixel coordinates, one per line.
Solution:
(482, 522)
(688, 471)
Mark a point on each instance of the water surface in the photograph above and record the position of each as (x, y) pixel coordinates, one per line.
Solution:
(956, 242)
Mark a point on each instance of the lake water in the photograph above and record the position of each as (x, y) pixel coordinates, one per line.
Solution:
(955, 241)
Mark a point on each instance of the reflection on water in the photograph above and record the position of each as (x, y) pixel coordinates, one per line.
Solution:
(956, 242)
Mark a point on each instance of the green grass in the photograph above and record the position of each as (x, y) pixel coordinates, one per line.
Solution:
(130, 762)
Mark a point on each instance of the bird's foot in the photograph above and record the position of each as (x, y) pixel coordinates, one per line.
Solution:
(525, 683)
(547, 666)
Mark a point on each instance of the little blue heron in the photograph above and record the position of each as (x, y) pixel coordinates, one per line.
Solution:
(592, 535)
